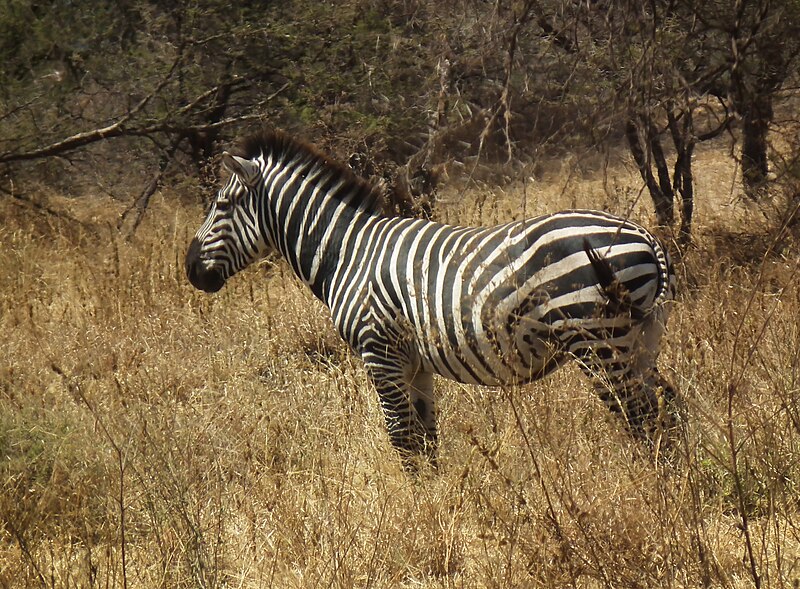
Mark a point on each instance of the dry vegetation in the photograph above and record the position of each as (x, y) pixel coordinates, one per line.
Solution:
(155, 436)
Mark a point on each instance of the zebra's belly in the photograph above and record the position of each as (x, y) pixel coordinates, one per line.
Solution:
(491, 363)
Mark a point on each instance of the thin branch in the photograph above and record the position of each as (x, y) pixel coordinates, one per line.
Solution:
(236, 81)
(24, 200)
(141, 203)
(69, 144)
(78, 140)
(19, 107)
(121, 455)
(119, 129)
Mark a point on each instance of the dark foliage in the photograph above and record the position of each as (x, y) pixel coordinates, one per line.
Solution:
(126, 96)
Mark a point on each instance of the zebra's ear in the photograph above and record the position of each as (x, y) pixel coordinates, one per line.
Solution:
(245, 169)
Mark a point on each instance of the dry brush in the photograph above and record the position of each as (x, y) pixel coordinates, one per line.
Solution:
(151, 435)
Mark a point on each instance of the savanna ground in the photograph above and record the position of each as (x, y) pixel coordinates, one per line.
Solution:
(155, 436)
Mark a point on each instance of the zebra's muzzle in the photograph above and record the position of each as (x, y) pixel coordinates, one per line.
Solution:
(202, 277)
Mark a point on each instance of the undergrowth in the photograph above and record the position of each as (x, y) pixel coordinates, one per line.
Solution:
(155, 436)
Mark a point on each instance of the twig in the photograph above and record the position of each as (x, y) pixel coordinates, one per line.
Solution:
(24, 200)
(537, 469)
(120, 128)
(76, 389)
(737, 482)
(141, 203)
(23, 545)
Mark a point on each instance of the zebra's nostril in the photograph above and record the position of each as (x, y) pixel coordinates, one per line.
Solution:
(202, 278)
(205, 279)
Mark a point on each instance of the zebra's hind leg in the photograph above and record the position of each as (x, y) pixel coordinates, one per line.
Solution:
(425, 415)
(407, 400)
(630, 385)
(647, 402)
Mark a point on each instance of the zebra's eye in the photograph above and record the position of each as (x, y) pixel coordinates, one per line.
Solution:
(232, 194)
(226, 199)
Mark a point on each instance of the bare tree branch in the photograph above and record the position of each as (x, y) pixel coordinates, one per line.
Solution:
(25, 200)
(120, 128)
(141, 203)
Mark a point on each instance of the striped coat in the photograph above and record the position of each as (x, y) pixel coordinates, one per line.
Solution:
(496, 305)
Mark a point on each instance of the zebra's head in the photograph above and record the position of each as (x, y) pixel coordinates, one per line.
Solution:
(230, 238)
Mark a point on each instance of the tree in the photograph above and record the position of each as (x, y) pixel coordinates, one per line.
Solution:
(759, 44)
(138, 73)
(398, 87)
(682, 71)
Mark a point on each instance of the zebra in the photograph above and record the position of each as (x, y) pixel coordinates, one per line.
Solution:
(497, 306)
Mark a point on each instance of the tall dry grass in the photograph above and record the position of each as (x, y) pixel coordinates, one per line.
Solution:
(155, 436)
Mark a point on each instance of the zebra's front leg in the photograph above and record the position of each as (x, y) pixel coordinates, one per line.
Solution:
(406, 397)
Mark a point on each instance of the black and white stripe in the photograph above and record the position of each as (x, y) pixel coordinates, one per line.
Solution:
(494, 305)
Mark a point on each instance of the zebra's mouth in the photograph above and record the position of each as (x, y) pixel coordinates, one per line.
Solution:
(203, 277)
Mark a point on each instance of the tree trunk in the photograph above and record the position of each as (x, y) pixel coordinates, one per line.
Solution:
(662, 201)
(687, 192)
(682, 180)
(664, 183)
(755, 125)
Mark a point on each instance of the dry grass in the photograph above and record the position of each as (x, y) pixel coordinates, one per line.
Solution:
(154, 436)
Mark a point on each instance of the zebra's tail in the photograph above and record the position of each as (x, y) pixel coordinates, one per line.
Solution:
(618, 296)
(666, 274)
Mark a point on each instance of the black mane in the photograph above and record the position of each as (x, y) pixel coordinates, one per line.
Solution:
(284, 147)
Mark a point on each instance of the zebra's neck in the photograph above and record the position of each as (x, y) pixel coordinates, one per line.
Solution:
(314, 211)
